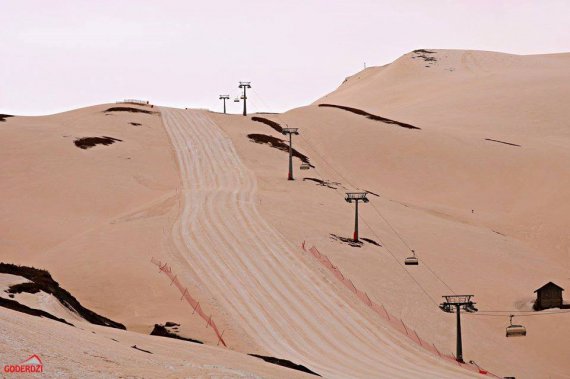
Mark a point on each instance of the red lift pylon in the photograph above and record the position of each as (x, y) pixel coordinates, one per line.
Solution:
(356, 197)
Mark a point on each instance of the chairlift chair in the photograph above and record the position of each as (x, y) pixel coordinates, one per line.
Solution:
(236, 100)
(515, 330)
(411, 261)
(305, 166)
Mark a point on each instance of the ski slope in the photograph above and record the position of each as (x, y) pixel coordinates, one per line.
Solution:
(287, 307)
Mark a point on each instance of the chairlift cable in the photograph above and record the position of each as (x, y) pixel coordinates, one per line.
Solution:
(519, 315)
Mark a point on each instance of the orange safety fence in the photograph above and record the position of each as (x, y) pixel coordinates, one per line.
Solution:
(196, 308)
(395, 322)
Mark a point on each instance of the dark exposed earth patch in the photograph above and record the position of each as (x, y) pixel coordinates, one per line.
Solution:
(139, 349)
(423, 51)
(128, 109)
(285, 363)
(371, 241)
(423, 54)
(161, 330)
(3, 117)
(278, 144)
(324, 183)
(503, 142)
(274, 125)
(15, 306)
(135, 124)
(88, 142)
(371, 116)
(42, 280)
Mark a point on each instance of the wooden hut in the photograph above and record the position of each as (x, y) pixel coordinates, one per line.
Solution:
(548, 296)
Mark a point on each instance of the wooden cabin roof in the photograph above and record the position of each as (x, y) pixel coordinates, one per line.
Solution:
(549, 284)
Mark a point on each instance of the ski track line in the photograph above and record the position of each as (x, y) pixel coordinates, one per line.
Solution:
(259, 277)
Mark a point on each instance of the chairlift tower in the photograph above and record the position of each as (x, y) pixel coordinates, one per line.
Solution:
(224, 98)
(356, 197)
(245, 86)
(290, 131)
(459, 302)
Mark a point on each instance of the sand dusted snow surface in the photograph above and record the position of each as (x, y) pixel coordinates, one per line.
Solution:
(480, 192)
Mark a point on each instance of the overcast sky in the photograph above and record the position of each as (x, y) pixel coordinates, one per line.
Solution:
(59, 55)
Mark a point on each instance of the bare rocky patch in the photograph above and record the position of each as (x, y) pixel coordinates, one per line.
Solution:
(278, 144)
(274, 125)
(426, 56)
(89, 142)
(169, 330)
(15, 306)
(41, 280)
(128, 109)
(285, 363)
(503, 142)
(371, 116)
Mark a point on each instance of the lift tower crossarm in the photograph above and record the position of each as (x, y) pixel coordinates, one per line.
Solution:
(459, 302)
(290, 132)
(245, 86)
(356, 197)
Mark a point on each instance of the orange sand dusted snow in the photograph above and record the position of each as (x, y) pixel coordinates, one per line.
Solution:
(480, 192)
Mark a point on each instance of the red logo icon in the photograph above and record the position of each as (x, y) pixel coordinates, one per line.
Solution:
(31, 365)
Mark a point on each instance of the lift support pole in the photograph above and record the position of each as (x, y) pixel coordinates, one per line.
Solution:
(290, 131)
(458, 302)
(356, 197)
(245, 86)
(224, 98)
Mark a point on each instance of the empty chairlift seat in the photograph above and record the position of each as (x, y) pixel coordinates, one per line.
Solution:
(305, 166)
(515, 330)
(411, 261)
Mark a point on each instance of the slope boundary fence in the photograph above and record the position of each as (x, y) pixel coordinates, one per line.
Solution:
(167, 270)
(381, 311)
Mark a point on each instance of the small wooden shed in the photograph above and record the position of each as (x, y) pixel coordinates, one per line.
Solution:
(548, 296)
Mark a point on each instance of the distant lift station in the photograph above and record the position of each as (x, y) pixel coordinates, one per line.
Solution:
(224, 98)
(356, 197)
(245, 86)
(290, 132)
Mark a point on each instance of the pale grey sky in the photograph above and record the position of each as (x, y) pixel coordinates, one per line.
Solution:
(58, 55)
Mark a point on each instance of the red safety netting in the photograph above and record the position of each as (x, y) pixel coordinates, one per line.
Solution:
(395, 322)
(196, 308)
